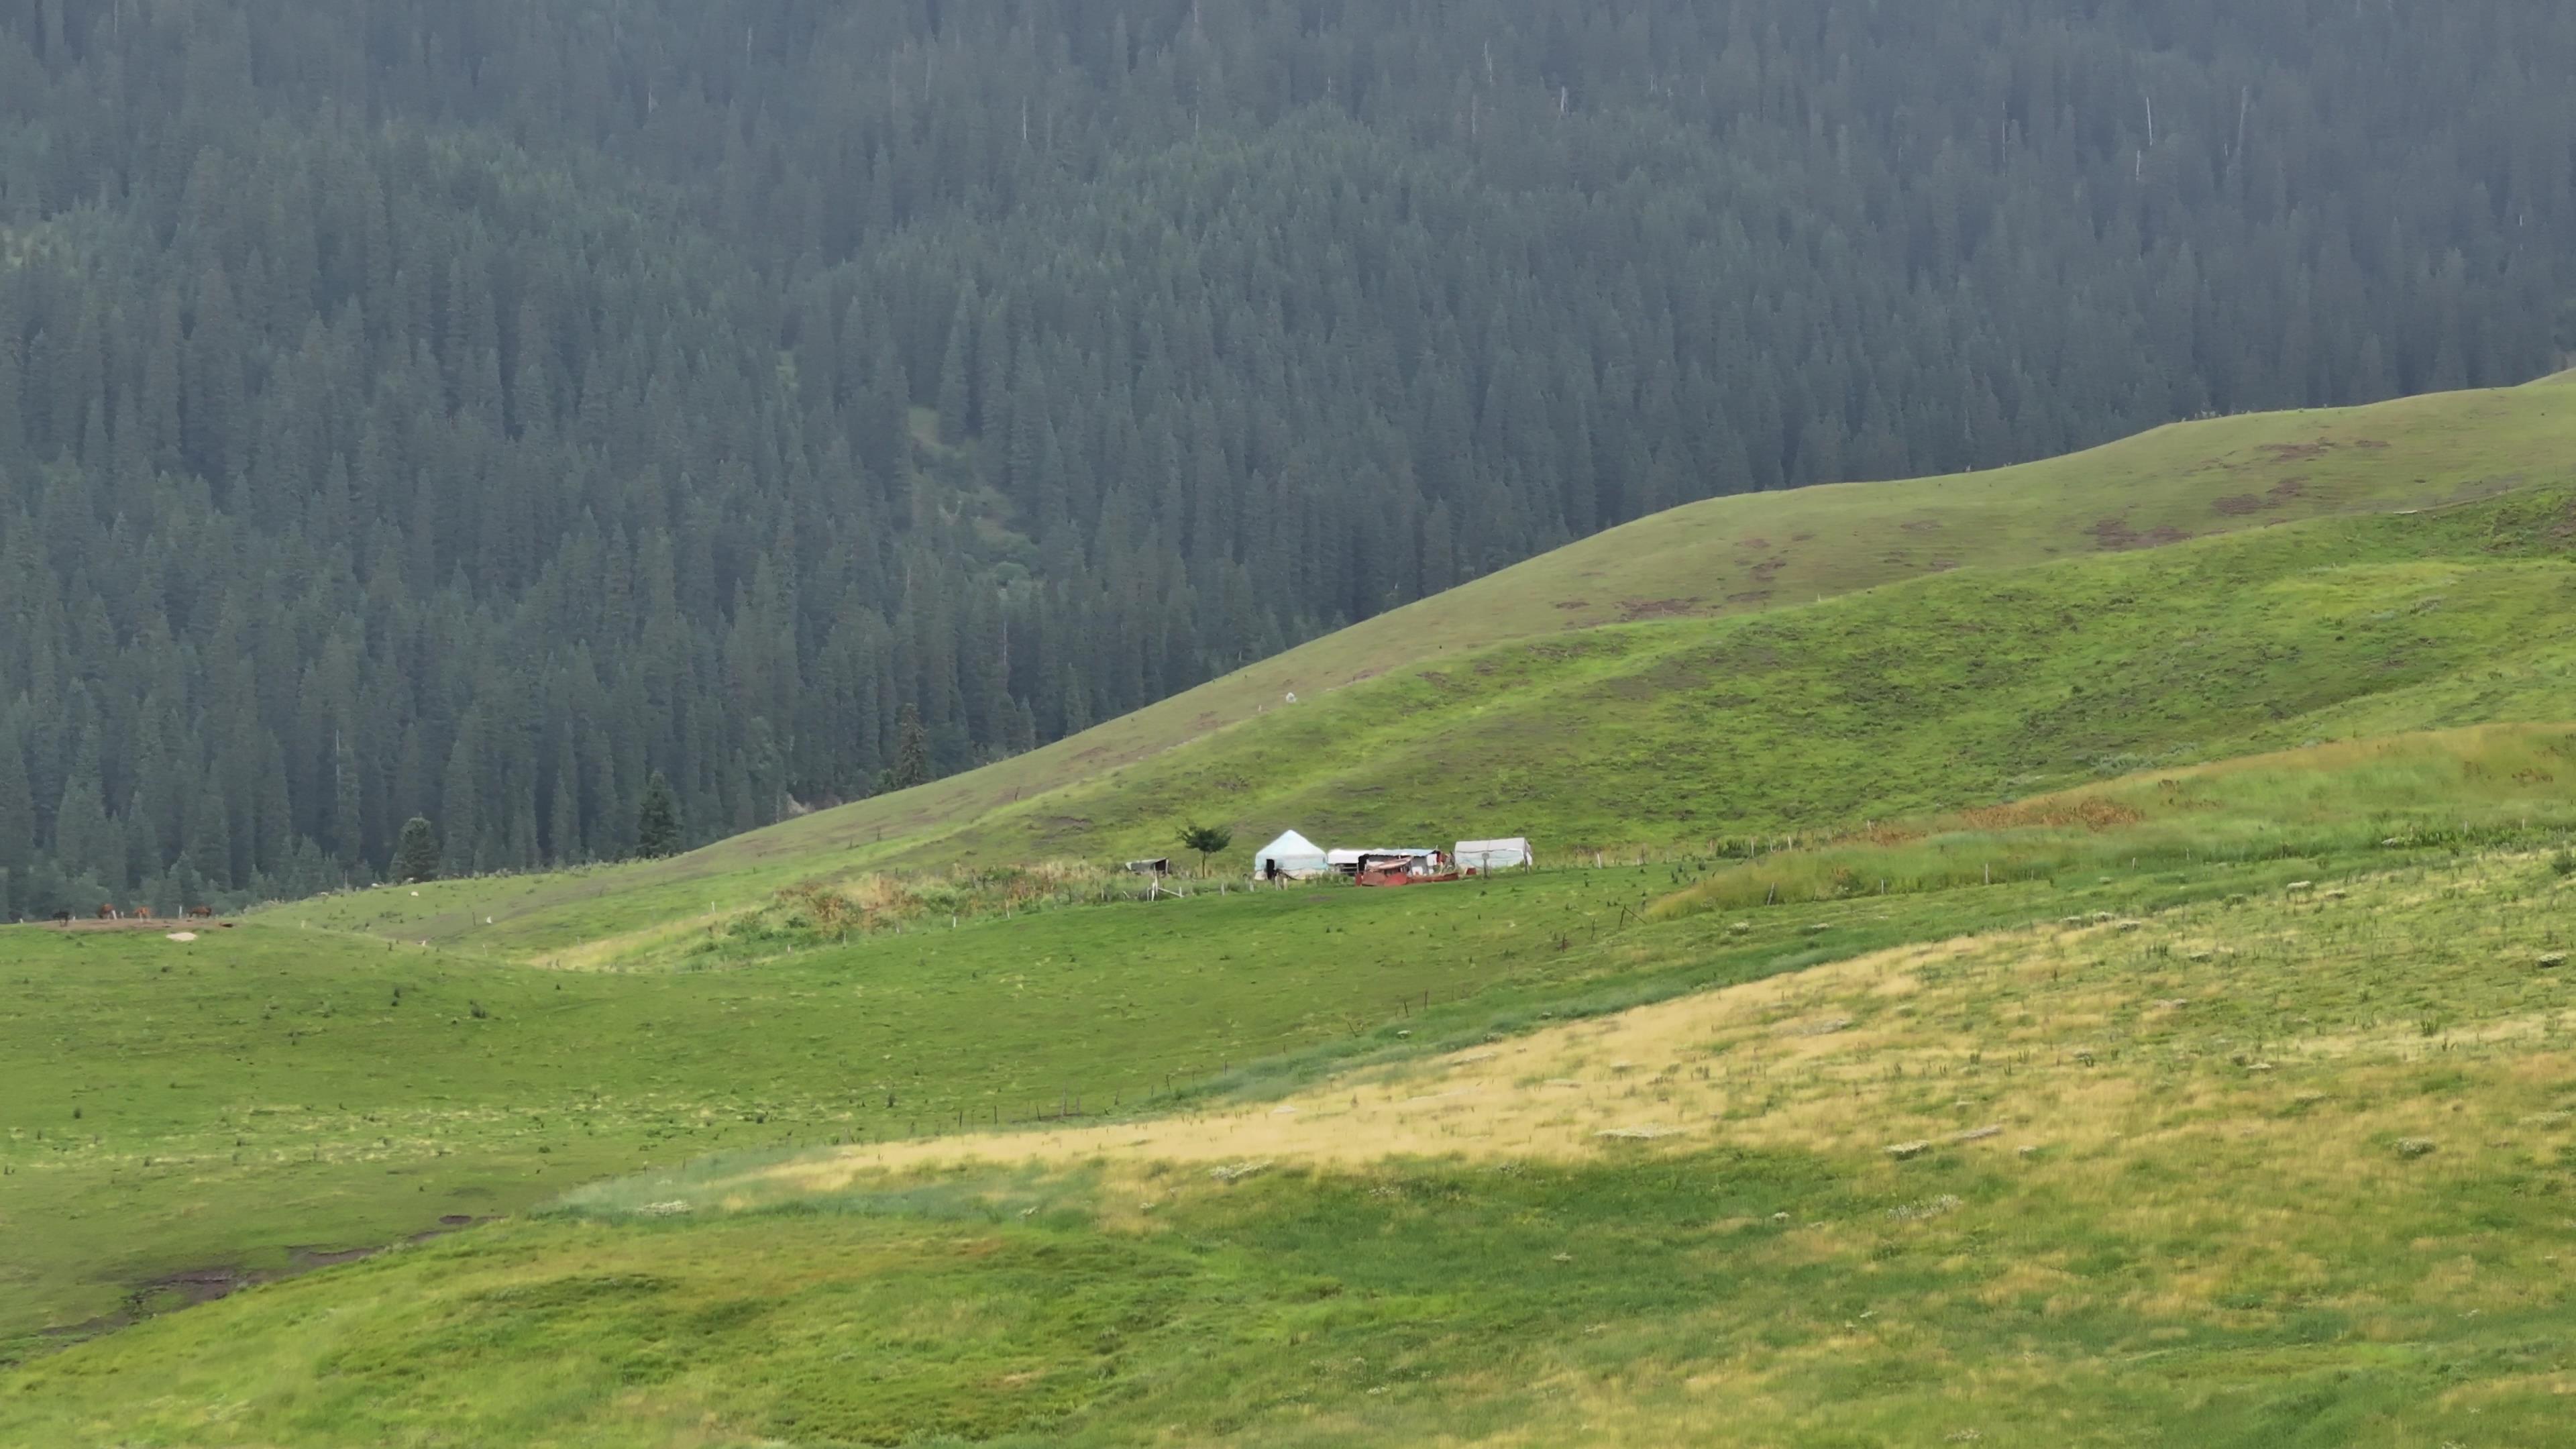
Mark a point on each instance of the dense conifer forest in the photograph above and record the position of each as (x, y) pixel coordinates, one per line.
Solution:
(471, 409)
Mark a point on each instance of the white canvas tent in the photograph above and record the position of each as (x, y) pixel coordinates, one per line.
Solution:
(1292, 855)
(1492, 855)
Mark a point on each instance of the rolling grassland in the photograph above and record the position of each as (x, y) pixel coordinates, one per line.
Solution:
(260, 1101)
(2283, 1166)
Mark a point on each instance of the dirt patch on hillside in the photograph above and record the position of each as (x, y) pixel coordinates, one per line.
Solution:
(1634, 610)
(2089, 813)
(2114, 535)
(199, 1285)
(2237, 504)
(190, 1287)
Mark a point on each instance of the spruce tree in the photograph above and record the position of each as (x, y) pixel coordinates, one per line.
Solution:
(416, 856)
(911, 750)
(17, 805)
(657, 822)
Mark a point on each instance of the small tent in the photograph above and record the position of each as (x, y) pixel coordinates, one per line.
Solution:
(1483, 856)
(1291, 855)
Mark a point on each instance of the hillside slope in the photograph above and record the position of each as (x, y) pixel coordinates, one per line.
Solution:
(1438, 751)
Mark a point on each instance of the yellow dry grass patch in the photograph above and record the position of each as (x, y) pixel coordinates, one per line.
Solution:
(2022, 1042)
(609, 953)
(2097, 1063)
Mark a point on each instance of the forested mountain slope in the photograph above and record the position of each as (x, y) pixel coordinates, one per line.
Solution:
(469, 409)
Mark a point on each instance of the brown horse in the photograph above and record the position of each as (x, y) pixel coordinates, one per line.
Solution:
(201, 913)
(107, 913)
(143, 913)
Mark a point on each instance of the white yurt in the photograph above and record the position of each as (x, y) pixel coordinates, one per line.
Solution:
(1291, 855)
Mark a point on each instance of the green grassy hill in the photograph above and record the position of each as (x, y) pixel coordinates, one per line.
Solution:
(2227, 883)
(2030, 647)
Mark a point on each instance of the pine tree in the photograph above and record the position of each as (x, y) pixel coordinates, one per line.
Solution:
(86, 841)
(416, 855)
(911, 751)
(657, 821)
(17, 806)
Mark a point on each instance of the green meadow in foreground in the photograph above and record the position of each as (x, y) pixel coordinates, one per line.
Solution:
(1417, 720)
(178, 1116)
(2288, 1167)
(261, 1099)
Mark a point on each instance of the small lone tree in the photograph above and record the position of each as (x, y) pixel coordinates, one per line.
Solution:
(416, 853)
(1207, 840)
(911, 750)
(657, 823)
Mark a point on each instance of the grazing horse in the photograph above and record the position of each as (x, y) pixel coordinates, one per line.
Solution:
(201, 913)
(143, 913)
(62, 918)
(107, 913)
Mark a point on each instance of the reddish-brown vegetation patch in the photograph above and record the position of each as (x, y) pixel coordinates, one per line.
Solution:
(2114, 534)
(174, 923)
(1633, 610)
(2090, 812)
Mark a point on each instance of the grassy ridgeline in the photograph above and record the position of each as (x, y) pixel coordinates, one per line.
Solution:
(2286, 1171)
(1947, 685)
(1964, 690)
